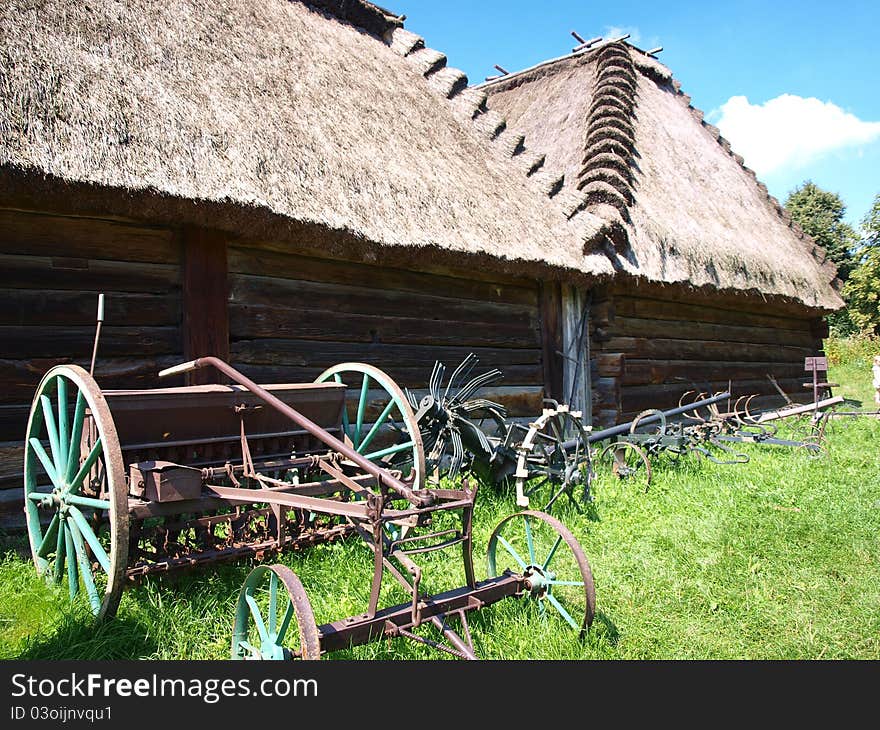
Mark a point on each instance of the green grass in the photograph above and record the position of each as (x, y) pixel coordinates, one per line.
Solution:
(775, 559)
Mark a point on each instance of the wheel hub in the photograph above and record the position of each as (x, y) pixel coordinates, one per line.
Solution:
(538, 581)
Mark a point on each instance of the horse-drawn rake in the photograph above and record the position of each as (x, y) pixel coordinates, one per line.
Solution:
(120, 484)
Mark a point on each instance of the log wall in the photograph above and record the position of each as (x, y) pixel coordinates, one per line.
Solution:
(649, 347)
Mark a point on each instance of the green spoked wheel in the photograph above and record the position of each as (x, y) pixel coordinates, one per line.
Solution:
(378, 420)
(74, 478)
(273, 612)
(556, 571)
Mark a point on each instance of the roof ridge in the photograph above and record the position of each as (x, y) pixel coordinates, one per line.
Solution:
(809, 244)
(469, 106)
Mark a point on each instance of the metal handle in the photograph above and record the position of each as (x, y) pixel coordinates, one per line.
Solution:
(184, 367)
(100, 307)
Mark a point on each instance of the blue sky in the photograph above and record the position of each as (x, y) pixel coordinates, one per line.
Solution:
(793, 85)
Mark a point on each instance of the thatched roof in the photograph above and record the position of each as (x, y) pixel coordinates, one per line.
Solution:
(311, 118)
(616, 124)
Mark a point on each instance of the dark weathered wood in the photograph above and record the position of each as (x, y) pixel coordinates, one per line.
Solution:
(551, 339)
(308, 353)
(428, 305)
(43, 272)
(668, 348)
(638, 398)
(275, 322)
(13, 422)
(12, 464)
(205, 294)
(625, 306)
(67, 341)
(89, 238)
(642, 372)
(45, 307)
(270, 263)
(637, 327)
(610, 364)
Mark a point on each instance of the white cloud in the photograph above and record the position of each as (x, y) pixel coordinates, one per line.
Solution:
(790, 131)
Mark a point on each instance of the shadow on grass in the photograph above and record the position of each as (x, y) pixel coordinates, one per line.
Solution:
(82, 637)
(604, 629)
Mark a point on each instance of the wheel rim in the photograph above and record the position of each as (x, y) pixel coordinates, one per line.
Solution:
(628, 462)
(405, 449)
(556, 571)
(544, 467)
(73, 470)
(273, 613)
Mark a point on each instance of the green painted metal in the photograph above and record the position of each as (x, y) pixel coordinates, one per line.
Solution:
(86, 466)
(258, 618)
(561, 609)
(376, 426)
(529, 540)
(87, 501)
(273, 604)
(362, 407)
(552, 553)
(52, 431)
(72, 578)
(79, 416)
(58, 571)
(45, 461)
(389, 450)
(63, 433)
(91, 538)
(50, 536)
(85, 568)
(507, 546)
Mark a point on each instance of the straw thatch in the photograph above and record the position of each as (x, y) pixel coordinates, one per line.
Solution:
(269, 109)
(614, 122)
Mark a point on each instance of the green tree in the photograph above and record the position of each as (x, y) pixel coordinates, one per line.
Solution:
(820, 213)
(862, 288)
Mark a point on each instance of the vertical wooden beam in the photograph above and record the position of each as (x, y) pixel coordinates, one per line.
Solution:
(576, 371)
(205, 299)
(551, 338)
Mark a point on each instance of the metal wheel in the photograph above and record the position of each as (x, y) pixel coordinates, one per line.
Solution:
(628, 462)
(80, 481)
(392, 439)
(556, 571)
(264, 625)
(654, 427)
(546, 466)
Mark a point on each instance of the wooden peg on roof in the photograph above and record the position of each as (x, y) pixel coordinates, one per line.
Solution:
(584, 44)
(502, 71)
(654, 50)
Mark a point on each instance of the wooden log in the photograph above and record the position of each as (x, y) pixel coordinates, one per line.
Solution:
(637, 327)
(25, 307)
(48, 273)
(90, 238)
(13, 422)
(797, 410)
(323, 354)
(277, 322)
(638, 398)
(12, 464)
(611, 364)
(308, 295)
(627, 306)
(269, 263)
(552, 339)
(74, 342)
(205, 294)
(683, 349)
(643, 372)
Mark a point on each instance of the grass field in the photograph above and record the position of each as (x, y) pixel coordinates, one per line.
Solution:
(775, 559)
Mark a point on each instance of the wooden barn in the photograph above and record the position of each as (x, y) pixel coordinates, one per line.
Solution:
(292, 185)
(715, 281)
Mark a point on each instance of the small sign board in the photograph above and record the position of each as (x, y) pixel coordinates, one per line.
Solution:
(815, 363)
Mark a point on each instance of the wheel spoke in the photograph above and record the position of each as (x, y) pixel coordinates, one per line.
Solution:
(273, 602)
(72, 578)
(52, 430)
(87, 465)
(285, 623)
(85, 568)
(362, 407)
(552, 552)
(88, 501)
(390, 450)
(565, 614)
(249, 647)
(60, 546)
(63, 434)
(376, 426)
(45, 461)
(50, 536)
(529, 541)
(92, 539)
(79, 416)
(514, 553)
(258, 618)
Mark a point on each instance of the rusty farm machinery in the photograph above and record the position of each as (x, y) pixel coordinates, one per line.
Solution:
(121, 484)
